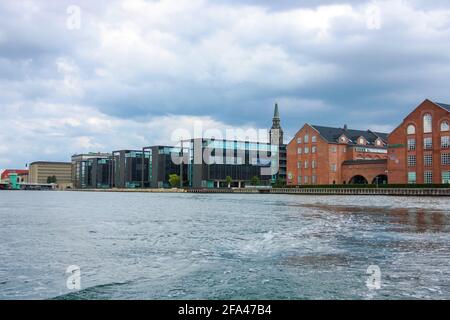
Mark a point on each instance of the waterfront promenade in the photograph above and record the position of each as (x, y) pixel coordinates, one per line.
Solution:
(299, 191)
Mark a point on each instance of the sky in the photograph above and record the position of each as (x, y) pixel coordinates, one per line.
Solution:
(80, 76)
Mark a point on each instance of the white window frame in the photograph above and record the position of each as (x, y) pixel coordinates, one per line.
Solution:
(410, 162)
(428, 160)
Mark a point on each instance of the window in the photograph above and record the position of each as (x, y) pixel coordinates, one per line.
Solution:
(379, 143)
(445, 142)
(412, 177)
(299, 165)
(411, 129)
(299, 180)
(446, 177)
(299, 140)
(306, 164)
(361, 140)
(411, 144)
(445, 159)
(427, 143)
(428, 160)
(313, 164)
(306, 138)
(333, 149)
(333, 167)
(313, 139)
(313, 149)
(411, 161)
(428, 177)
(306, 150)
(306, 179)
(343, 139)
(427, 123)
(445, 126)
(299, 150)
(314, 179)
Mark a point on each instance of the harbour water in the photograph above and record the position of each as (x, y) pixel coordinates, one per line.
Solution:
(222, 246)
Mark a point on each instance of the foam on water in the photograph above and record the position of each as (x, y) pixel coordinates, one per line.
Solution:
(222, 246)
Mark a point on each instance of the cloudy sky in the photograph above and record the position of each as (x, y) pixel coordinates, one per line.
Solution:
(77, 76)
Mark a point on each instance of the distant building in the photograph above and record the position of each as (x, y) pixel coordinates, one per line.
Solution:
(319, 155)
(419, 148)
(130, 168)
(91, 170)
(162, 166)
(22, 175)
(40, 171)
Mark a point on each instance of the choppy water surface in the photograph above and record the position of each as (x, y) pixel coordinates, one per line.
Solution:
(222, 246)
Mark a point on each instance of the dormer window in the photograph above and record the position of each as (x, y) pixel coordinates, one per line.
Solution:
(343, 139)
(361, 140)
(379, 143)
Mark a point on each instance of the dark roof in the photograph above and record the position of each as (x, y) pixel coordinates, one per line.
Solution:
(49, 162)
(443, 105)
(372, 161)
(332, 134)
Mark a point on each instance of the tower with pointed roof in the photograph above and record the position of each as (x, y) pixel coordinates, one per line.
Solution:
(276, 132)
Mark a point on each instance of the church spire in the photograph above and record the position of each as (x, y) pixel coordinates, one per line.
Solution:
(276, 131)
(276, 118)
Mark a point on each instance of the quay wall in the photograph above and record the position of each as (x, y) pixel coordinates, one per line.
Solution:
(298, 191)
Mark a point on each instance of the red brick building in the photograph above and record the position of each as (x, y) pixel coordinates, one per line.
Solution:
(419, 148)
(325, 155)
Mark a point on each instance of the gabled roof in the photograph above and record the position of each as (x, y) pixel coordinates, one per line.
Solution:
(332, 134)
(443, 105)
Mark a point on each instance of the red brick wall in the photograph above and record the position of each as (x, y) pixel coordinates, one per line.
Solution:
(397, 151)
(368, 171)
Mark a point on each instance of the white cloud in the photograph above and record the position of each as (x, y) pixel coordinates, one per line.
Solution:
(137, 70)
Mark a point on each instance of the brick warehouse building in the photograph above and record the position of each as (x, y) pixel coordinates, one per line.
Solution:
(419, 148)
(326, 155)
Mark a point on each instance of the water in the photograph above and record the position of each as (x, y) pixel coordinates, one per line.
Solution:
(222, 246)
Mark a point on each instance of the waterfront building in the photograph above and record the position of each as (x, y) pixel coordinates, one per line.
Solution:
(40, 171)
(319, 155)
(91, 170)
(21, 175)
(419, 148)
(211, 161)
(130, 168)
(162, 166)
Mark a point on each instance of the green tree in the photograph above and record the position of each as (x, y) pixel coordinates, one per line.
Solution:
(228, 179)
(279, 183)
(255, 181)
(51, 179)
(174, 180)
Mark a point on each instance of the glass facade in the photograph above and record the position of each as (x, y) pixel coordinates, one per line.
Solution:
(243, 161)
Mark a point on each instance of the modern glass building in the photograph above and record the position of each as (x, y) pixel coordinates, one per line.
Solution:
(91, 170)
(131, 168)
(162, 166)
(211, 161)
